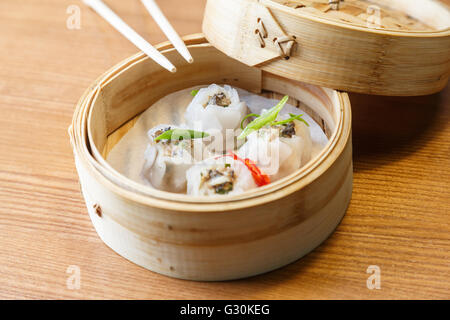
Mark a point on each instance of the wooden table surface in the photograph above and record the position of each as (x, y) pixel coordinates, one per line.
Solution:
(398, 219)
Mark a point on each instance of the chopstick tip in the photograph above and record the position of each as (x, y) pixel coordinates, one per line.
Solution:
(191, 60)
(173, 70)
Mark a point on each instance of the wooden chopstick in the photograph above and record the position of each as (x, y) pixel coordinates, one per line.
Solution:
(167, 28)
(109, 15)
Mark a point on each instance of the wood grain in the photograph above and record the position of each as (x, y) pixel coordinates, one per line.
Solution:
(398, 218)
(355, 12)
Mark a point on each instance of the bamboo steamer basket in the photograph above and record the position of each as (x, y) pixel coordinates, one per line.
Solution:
(218, 238)
(381, 47)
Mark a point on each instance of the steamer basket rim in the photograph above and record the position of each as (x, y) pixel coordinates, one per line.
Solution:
(164, 202)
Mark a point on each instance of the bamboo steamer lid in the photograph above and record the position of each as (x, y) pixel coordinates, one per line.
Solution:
(382, 47)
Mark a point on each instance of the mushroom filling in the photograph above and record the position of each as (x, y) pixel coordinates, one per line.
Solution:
(221, 180)
(160, 132)
(173, 148)
(224, 188)
(288, 130)
(219, 99)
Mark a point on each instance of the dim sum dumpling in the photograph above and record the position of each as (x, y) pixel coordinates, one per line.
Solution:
(219, 111)
(219, 177)
(167, 161)
(279, 150)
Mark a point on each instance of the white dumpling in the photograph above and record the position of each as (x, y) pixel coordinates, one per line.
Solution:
(279, 150)
(219, 177)
(218, 111)
(166, 162)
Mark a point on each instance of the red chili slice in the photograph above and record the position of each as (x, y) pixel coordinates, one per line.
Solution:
(260, 178)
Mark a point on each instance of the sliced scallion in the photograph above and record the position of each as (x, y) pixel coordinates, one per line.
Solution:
(292, 118)
(266, 118)
(246, 117)
(181, 134)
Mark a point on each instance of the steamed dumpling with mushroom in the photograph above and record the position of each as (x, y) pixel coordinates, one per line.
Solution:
(170, 153)
(278, 145)
(224, 175)
(218, 111)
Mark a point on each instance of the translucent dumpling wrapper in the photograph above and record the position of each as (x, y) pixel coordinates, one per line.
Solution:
(218, 111)
(279, 150)
(219, 176)
(167, 161)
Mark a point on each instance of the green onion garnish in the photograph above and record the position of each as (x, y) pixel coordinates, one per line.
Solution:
(292, 118)
(266, 118)
(194, 93)
(246, 117)
(181, 134)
